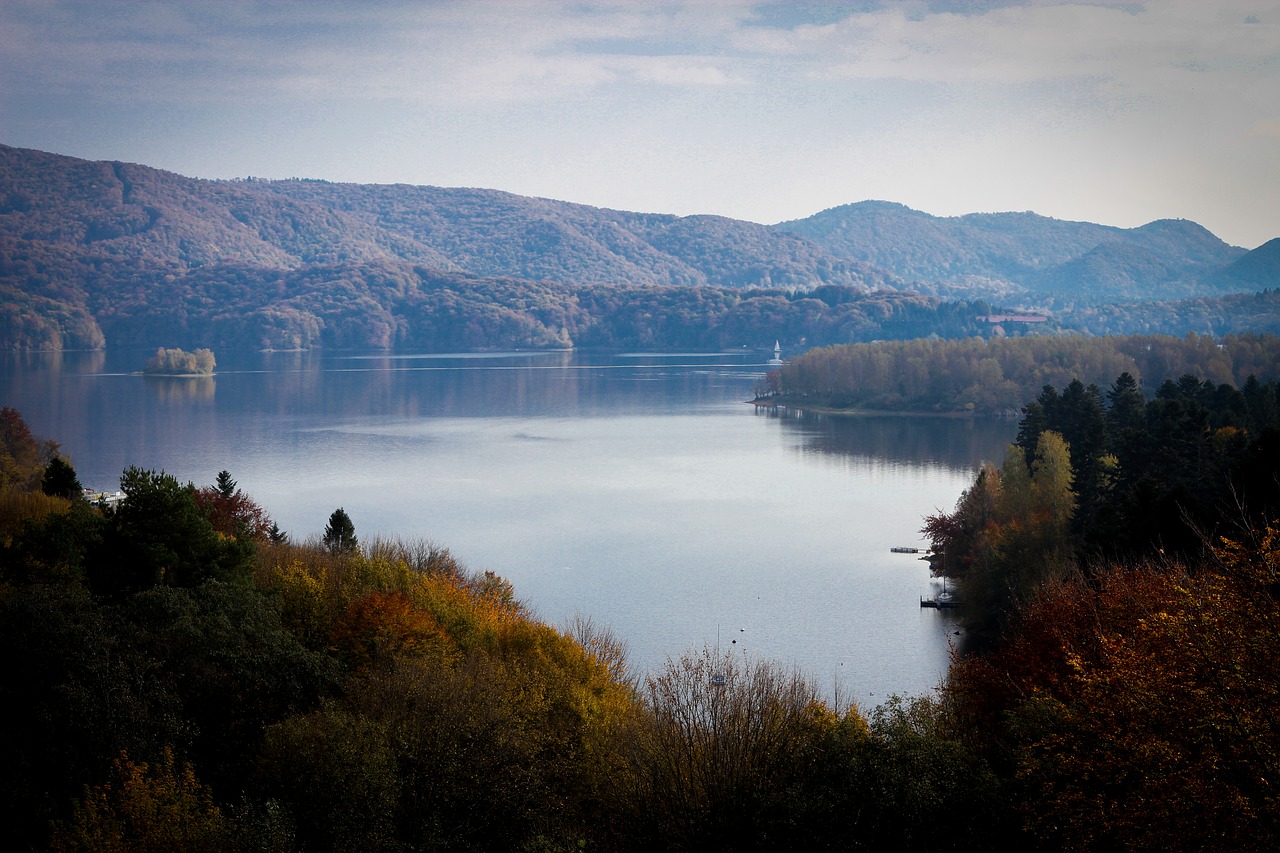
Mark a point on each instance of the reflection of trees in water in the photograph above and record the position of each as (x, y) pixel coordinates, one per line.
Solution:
(39, 374)
(955, 442)
(561, 384)
(178, 389)
(36, 361)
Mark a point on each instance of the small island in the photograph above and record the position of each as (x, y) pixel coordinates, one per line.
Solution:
(179, 362)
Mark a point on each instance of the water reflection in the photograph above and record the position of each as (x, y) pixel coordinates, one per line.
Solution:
(920, 440)
(178, 389)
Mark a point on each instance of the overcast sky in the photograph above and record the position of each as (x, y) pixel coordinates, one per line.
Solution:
(1118, 113)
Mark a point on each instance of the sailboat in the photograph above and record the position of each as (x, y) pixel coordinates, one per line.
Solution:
(776, 361)
(942, 600)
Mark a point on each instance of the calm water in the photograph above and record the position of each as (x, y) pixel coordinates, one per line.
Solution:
(638, 490)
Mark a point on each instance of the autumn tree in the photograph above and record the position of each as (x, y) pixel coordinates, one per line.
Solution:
(159, 535)
(23, 457)
(147, 809)
(958, 537)
(1138, 704)
(231, 511)
(229, 661)
(916, 780)
(180, 362)
(337, 773)
(727, 737)
(1010, 531)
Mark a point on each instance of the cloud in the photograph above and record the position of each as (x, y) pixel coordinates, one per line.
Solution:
(489, 51)
(701, 100)
(1029, 43)
(447, 52)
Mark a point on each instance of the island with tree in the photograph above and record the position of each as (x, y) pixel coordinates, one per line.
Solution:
(179, 362)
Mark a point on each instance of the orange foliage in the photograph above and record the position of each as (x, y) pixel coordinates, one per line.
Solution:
(1140, 704)
(161, 809)
(384, 626)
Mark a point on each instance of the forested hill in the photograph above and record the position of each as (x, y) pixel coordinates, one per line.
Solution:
(1023, 254)
(123, 210)
(108, 252)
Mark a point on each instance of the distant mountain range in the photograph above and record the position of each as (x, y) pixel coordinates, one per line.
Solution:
(95, 251)
(1034, 259)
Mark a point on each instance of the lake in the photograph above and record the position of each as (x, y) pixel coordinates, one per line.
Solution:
(636, 489)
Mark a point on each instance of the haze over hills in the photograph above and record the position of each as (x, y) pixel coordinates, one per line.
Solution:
(94, 252)
(1024, 255)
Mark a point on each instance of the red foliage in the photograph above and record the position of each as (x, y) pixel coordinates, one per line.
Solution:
(234, 515)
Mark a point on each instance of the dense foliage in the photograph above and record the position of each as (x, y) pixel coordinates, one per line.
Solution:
(1131, 707)
(394, 304)
(1122, 566)
(1237, 313)
(1111, 476)
(999, 374)
(179, 362)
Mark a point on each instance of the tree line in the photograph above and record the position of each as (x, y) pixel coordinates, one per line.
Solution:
(996, 375)
(179, 362)
(395, 304)
(1118, 575)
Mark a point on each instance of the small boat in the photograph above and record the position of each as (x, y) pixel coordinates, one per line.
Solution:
(901, 550)
(944, 600)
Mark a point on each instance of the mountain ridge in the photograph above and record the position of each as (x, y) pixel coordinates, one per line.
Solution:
(88, 246)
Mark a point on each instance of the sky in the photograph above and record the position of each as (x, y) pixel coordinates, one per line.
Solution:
(1118, 113)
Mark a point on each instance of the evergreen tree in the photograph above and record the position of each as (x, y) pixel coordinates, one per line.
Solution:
(1261, 402)
(1081, 422)
(160, 535)
(225, 485)
(60, 480)
(340, 533)
(1127, 407)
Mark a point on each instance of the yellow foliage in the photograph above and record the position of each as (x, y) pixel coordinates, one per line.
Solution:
(17, 508)
(164, 809)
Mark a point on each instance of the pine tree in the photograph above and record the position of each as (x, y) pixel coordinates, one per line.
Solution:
(60, 480)
(225, 485)
(340, 533)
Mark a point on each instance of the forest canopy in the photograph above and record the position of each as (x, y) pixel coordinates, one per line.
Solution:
(179, 362)
(1000, 374)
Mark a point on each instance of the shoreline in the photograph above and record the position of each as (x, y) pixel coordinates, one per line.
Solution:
(175, 375)
(766, 403)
